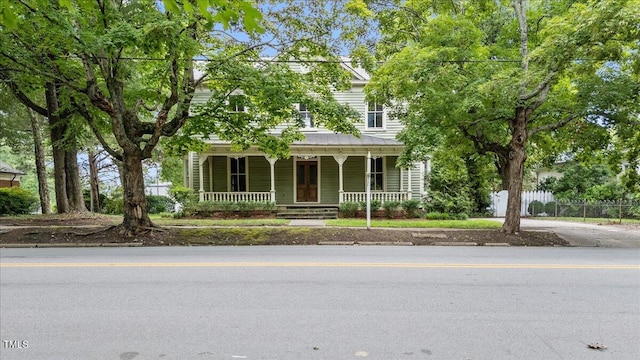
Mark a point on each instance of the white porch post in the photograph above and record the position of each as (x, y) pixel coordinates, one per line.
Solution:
(368, 182)
(409, 189)
(421, 180)
(401, 179)
(340, 160)
(201, 161)
(272, 164)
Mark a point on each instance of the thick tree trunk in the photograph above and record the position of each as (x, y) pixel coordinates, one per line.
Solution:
(136, 218)
(41, 169)
(94, 183)
(74, 185)
(56, 131)
(502, 164)
(517, 157)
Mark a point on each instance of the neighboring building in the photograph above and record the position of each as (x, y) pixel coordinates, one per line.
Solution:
(324, 169)
(9, 177)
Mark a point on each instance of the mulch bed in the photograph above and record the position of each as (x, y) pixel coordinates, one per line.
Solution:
(69, 231)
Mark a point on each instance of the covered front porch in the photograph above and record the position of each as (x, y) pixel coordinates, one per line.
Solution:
(325, 169)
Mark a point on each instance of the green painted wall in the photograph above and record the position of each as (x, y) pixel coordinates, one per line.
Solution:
(259, 174)
(353, 170)
(220, 174)
(329, 180)
(392, 174)
(284, 181)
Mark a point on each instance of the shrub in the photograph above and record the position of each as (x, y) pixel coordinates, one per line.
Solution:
(348, 209)
(203, 208)
(550, 208)
(411, 207)
(461, 216)
(183, 195)
(16, 201)
(246, 207)
(535, 208)
(390, 208)
(157, 204)
(114, 203)
(375, 205)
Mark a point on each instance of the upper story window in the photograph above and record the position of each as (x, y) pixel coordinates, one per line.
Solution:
(237, 103)
(307, 117)
(374, 115)
(238, 174)
(377, 174)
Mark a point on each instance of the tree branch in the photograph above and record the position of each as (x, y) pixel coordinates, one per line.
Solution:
(553, 126)
(543, 86)
(90, 120)
(26, 100)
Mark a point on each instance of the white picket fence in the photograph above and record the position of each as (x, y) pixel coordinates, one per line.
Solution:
(499, 201)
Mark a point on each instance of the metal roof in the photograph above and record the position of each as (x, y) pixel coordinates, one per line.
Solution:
(7, 169)
(345, 140)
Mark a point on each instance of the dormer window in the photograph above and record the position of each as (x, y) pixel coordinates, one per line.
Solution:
(374, 115)
(307, 117)
(237, 103)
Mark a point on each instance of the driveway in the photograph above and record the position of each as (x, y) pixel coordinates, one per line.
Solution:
(584, 234)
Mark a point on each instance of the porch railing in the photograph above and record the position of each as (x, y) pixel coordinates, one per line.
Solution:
(375, 195)
(264, 196)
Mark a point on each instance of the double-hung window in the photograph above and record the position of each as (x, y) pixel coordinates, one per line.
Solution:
(377, 174)
(307, 117)
(238, 174)
(375, 115)
(237, 103)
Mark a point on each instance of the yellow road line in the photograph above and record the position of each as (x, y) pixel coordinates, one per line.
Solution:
(320, 265)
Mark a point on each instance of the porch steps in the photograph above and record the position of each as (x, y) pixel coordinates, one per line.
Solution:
(307, 213)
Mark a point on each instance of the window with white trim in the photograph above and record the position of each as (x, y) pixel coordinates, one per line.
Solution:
(377, 174)
(237, 103)
(375, 115)
(238, 174)
(307, 117)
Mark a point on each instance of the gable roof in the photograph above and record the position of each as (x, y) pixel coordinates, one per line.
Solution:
(7, 169)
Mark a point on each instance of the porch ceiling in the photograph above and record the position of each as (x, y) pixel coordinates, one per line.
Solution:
(326, 144)
(345, 140)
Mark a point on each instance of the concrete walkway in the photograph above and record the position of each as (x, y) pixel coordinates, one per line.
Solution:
(307, 222)
(585, 234)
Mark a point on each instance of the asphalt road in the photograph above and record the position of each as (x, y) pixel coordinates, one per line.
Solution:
(318, 302)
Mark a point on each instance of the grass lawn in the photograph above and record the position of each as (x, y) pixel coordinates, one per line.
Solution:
(157, 220)
(419, 223)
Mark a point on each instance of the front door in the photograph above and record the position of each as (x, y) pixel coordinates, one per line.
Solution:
(307, 181)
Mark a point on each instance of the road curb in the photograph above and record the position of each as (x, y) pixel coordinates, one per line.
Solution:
(336, 243)
(386, 243)
(454, 243)
(71, 245)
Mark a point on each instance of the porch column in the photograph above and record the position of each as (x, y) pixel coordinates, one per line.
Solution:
(340, 159)
(272, 164)
(401, 180)
(201, 161)
(409, 184)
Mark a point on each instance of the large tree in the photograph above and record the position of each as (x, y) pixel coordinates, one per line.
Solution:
(500, 75)
(130, 67)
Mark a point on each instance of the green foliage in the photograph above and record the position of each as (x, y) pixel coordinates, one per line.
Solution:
(449, 190)
(16, 201)
(535, 208)
(591, 182)
(114, 203)
(227, 208)
(412, 207)
(550, 208)
(157, 204)
(390, 208)
(375, 205)
(349, 209)
(445, 216)
(183, 195)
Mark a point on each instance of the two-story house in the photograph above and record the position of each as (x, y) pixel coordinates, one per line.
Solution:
(325, 169)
